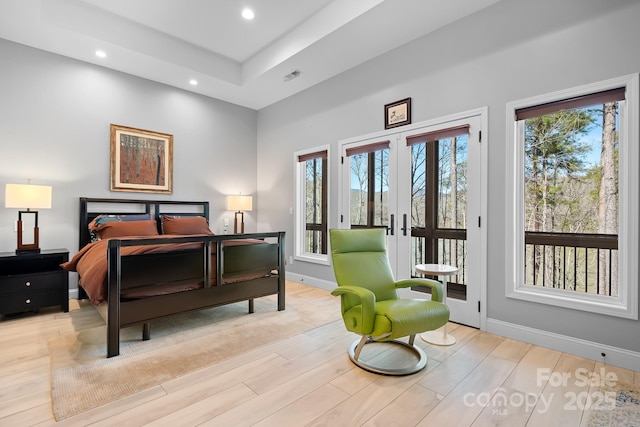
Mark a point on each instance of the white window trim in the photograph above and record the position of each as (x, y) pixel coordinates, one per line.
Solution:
(626, 304)
(299, 203)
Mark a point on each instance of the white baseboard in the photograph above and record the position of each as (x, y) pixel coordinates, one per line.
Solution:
(576, 346)
(311, 281)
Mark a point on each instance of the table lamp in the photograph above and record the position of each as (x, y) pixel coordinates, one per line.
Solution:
(27, 196)
(239, 204)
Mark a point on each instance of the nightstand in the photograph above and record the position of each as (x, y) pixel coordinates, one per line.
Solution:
(32, 281)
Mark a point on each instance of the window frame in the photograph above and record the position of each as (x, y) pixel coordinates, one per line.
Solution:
(625, 305)
(300, 226)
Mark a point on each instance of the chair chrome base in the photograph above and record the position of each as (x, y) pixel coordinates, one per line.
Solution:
(356, 347)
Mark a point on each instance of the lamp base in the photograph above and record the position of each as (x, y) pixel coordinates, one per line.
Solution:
(238, 223)
(28, 248)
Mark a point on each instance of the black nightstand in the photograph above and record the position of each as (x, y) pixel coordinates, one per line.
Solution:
(32, 281)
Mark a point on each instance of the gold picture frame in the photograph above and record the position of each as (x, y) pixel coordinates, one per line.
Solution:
(141, 160)
(397, 113)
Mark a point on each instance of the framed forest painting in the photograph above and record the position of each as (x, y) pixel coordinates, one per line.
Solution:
(141, 160)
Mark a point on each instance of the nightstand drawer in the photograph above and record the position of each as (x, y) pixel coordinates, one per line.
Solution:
(29, 301)
(30, 282)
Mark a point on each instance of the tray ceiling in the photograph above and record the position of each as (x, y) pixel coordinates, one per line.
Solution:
(232, 59)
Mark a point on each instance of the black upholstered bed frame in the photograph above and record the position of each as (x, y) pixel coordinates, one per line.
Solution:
(145, 270)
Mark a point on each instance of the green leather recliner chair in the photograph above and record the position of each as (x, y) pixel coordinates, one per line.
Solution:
(369, 300)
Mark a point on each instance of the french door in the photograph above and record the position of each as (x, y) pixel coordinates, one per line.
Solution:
(425, 186)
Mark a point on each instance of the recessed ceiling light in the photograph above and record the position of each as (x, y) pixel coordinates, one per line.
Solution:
(101, 54)
(248, 14)
(193, 82)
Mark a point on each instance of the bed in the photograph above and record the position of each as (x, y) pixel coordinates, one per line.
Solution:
(137, 274)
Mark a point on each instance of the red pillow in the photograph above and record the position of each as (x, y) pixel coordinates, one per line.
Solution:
(117, 229)
(185, 225)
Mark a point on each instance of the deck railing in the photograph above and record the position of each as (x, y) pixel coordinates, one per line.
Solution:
(451, 250)
(585, 263)
(577, 262)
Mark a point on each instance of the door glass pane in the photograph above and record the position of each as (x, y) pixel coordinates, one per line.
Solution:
(359, 188)
(421, 252)
(418, 185)
(380, 203)
(452, 182)
(370, 171)
(439, 206)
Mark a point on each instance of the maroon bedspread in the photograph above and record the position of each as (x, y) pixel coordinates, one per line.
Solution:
(91, 264)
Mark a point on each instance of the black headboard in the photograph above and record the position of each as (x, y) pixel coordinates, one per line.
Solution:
(92, 207)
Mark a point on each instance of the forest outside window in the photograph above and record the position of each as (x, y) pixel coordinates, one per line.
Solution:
(369, 185)
(312, 205)
(574, 215)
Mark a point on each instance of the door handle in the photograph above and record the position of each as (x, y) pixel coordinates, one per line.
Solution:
(404, 224)
(391, 229)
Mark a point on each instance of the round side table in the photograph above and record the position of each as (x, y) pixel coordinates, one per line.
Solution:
(439, 336)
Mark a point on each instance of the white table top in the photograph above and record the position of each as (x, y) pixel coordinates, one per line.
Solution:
(436, 269)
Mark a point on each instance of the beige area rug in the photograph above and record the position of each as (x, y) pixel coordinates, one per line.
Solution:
(620, 406)
(83, 378)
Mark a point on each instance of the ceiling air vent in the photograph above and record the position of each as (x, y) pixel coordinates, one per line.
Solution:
(292, 75)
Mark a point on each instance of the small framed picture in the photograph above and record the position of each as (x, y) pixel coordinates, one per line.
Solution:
(397, 113)
(141, 160)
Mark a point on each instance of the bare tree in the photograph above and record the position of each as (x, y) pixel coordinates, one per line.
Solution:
(359, 170)
(554, 154)
(608, 203)
(454, 194)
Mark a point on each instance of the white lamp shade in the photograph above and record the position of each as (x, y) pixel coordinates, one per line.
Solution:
(239, 203)
(27, 196)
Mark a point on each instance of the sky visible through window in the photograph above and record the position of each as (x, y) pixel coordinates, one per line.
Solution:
(594, 139)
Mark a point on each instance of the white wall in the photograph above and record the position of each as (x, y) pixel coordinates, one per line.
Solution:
(55, 114)
(513, 50)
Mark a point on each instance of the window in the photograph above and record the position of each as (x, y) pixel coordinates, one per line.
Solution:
(312, 205)
(573, 220)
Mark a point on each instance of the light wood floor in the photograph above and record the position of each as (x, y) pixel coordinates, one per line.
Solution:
(308, 380)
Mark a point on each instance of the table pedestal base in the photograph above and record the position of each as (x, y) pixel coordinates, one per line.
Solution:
(438, 337)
